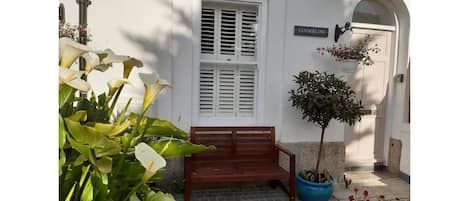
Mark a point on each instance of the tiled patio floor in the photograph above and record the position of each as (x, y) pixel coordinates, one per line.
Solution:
(377, 183)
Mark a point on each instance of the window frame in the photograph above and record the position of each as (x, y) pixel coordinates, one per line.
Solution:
(260, 63)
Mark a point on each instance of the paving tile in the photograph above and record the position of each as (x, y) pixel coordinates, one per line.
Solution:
(376, 183)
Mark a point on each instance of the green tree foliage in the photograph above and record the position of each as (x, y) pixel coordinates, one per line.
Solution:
(322, 97)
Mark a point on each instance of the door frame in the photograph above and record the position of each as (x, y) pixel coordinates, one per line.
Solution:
(395, 126)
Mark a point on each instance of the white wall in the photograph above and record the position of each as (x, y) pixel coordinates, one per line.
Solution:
(159, 32)
(300, 55)
(396, 125)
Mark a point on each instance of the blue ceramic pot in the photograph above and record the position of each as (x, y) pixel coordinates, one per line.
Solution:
(311, 191)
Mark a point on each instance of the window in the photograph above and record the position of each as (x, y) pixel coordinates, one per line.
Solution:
(228, 63)
(373, 12)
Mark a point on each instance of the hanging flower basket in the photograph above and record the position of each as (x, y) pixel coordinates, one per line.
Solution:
(348, 66)
(348, 57)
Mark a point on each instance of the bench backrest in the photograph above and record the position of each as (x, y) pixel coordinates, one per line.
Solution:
(235, 143)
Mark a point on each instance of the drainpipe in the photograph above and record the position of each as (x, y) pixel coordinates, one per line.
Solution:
(61, 13)
(82, 36)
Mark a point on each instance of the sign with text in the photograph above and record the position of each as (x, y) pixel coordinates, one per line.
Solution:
(311, 31)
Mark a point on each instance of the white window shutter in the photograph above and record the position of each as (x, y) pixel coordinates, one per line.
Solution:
(246, 91)
(226, 93)
(207, 36)
(207, 87)
(248, 35)
(227, 35)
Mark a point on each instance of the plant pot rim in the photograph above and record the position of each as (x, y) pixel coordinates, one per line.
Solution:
(310, 183)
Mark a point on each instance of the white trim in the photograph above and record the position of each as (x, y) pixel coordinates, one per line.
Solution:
(261, 62)
(236, 2)
(228, 62)
(206, 121)
(196, 26)
(373, 26)
(260, 65)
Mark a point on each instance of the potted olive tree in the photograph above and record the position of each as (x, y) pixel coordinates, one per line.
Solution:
(322, 97)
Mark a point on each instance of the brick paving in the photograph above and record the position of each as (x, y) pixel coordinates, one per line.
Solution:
(249, 193)
(376, 183)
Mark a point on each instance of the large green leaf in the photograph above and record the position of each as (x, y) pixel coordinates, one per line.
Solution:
(81, 158)
(87, 194)
(170, 147)
(78, 116)
(83, 149)
(64, 94)
(109, 129)
(100, 190)
(62, 132)
(84, 172)
(134, 197)
(61, 161)
(70, 194)
(85, 135)
(104, 164)
(158, 127)
(160, 196)
(71, 178)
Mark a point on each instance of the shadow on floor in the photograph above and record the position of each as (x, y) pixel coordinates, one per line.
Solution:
(376, 183)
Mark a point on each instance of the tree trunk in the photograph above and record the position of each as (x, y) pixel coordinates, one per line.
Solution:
(320, 149)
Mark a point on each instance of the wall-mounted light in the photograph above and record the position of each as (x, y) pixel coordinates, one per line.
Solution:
(341, 30)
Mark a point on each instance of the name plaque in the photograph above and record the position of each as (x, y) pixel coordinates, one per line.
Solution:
(311, 31)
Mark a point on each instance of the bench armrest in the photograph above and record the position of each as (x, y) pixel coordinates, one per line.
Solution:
(289, 153)
(187, 167)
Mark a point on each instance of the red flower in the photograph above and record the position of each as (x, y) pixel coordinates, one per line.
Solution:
(355, 189)
(367, 199)
(381, 196)
(350, 198)
(365, 193)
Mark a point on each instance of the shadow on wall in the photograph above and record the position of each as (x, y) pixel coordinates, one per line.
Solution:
(161, 47)
(377, 125)
(166, 48)
(162, 50)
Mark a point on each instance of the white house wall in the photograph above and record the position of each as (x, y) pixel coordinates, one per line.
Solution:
(300, 55)
(160, 33)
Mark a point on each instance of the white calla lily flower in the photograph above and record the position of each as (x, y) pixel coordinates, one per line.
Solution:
(149, 159)
(130, 64)
(153, 86)
(113, 58)
(69, 51)
(114, 85)
(73, 79)
(92, 61)
(107, 57)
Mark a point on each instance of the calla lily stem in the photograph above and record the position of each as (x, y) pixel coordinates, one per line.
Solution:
(116, 97)
(134, 189)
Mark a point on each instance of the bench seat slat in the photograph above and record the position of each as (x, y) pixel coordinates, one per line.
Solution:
(237, 171)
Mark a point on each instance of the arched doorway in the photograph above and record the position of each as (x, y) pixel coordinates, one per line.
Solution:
(365, 143)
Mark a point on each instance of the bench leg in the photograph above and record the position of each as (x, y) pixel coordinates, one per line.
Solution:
(187, 190)
(292, 190)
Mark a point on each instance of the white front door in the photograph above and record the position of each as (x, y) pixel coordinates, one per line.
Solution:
(364, 142)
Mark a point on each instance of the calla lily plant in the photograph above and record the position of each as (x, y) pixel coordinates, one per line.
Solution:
(107, 156)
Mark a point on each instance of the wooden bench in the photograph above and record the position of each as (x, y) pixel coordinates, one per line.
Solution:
(243, 154)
